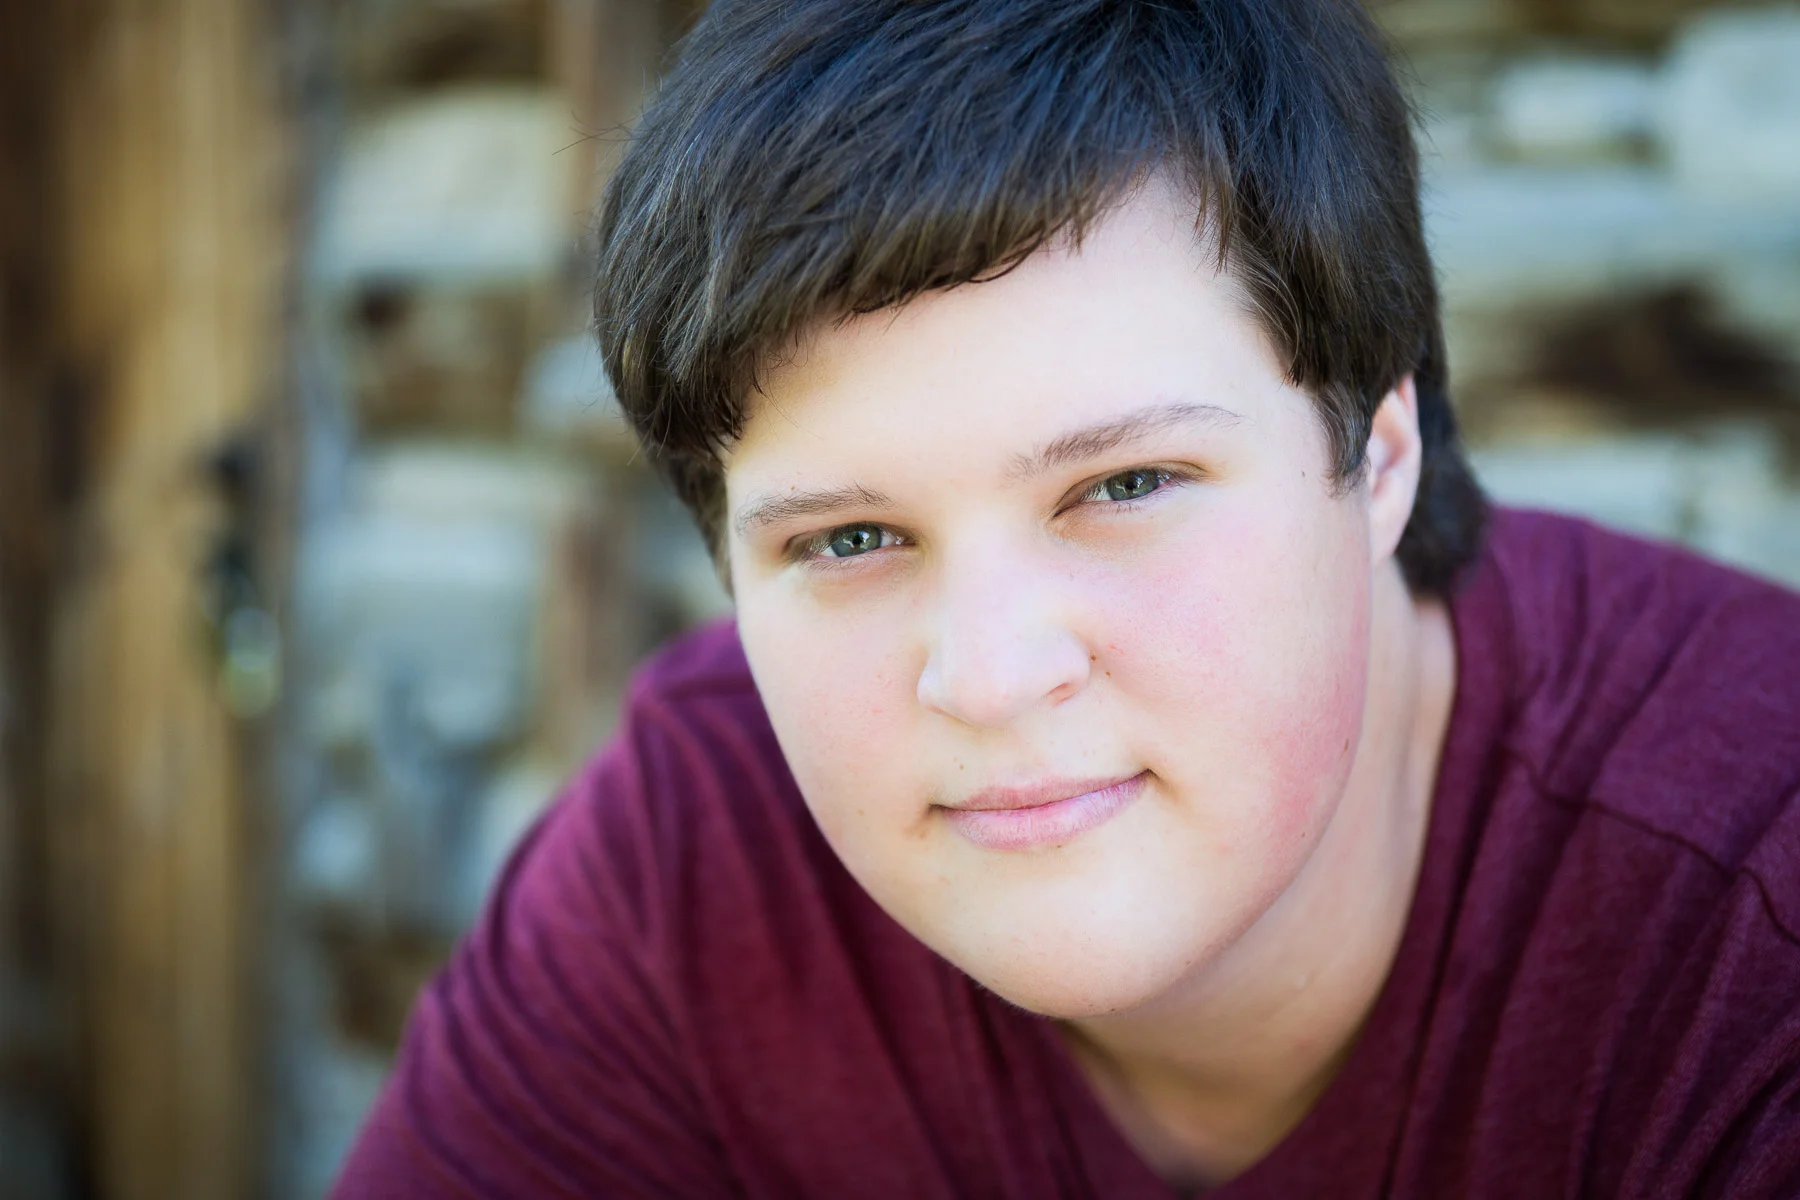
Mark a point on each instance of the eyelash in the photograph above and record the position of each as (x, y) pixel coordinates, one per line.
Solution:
(1164, 476)
(810, 551)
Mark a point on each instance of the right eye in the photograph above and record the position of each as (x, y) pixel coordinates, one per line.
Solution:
(850, 541)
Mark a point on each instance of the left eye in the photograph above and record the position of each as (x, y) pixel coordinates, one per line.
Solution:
(1134, 484)
(853, 540)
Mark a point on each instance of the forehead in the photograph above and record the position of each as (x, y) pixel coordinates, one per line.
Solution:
(1138, 312)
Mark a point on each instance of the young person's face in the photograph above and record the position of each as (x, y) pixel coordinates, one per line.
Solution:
(1066, 535)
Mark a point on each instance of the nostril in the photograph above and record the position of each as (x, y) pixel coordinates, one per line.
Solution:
(995, 681)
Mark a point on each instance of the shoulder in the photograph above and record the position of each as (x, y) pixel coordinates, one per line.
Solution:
(703, 661)
(690, 811)
(1657, 686)
(606, 1025)
(707, 849)
(1617, 868)
(693, 734)
(692, 727)
(556, 1053)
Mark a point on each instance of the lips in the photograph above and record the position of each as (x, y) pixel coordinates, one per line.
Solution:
(1045, 814)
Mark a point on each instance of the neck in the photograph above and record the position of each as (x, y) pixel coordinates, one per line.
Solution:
(1207, 1081)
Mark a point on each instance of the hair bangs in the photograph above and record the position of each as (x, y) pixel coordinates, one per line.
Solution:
(809, 160)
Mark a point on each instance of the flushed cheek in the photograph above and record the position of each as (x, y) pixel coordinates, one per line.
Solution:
(1255, 683)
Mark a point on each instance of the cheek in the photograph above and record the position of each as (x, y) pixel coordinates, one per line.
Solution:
(1248, 654)
(838, 699)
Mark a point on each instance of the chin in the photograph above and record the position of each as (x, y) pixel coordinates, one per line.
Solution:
(1071, 970)
(1144, 930)
(1081, 987)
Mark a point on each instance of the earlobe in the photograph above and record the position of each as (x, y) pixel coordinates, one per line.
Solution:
(1395, 454)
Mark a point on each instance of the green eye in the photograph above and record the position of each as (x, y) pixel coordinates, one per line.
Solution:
(1131, 485)
(853, 540)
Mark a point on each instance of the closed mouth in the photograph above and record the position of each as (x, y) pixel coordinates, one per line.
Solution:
(1047, 814)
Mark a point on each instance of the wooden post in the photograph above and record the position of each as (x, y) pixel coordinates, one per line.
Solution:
(603, 56)
(170, 264)
(34, 1101)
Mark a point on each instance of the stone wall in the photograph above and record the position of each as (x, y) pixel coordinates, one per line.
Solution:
(479, 560)
(1614, 203)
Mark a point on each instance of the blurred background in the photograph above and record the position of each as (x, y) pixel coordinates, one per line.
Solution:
(324, 555)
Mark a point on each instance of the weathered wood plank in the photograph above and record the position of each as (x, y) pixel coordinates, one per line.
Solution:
(169, 149)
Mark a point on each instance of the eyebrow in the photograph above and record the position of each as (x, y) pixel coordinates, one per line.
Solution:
(1080, 445)
(1077, 445)
(772, 510)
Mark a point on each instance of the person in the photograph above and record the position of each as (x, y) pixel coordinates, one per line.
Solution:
(1140, 763)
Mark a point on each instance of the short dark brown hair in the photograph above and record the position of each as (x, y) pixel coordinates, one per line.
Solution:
(811, 159)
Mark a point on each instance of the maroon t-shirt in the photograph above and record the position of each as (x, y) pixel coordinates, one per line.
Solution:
(676, 989)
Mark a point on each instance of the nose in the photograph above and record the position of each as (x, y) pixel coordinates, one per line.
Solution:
(1000, 646)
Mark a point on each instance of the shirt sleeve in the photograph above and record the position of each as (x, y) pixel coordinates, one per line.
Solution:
(1726, 1125)
(1760, 1159)
(545, 1060)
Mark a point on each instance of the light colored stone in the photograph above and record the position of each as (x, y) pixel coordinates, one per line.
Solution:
(339, 705)
(482, 701)
(567, 395)
(1569, 110)
(433, 575)
(1744, 510)
(407, 573)
(427, 593)
(516, 797)
(335, 1093)
(1634, 484)
(1449, 91)
(1509, 236)
(1721, 490)
(454, 482)
(334, 859)
(1504, 235)
(462, 185)
(1451, 137)
(1730, 111)
(1764, 540)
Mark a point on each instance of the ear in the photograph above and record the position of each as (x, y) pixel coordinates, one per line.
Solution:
(1395, 455)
